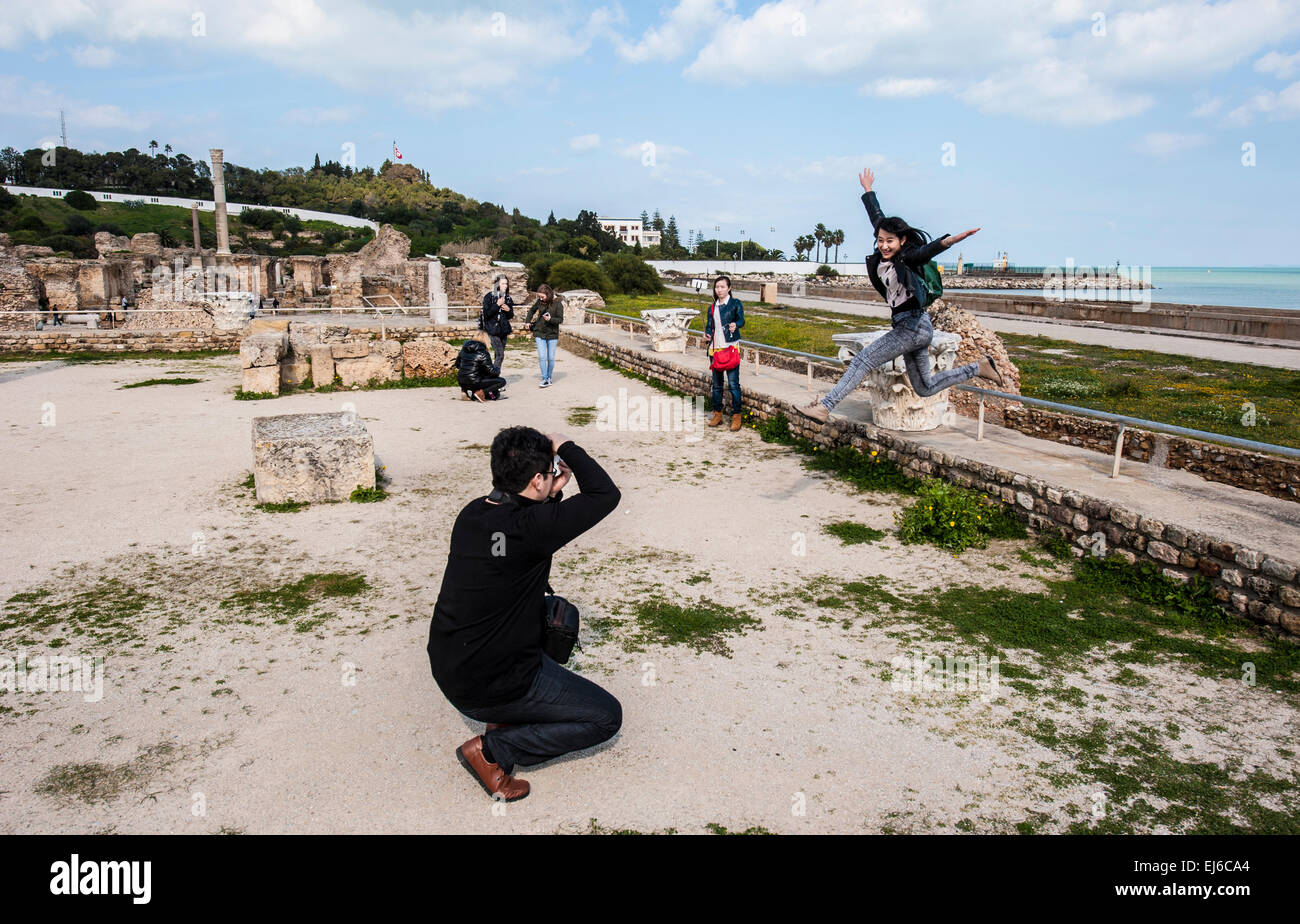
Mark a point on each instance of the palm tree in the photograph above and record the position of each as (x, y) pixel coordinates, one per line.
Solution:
(153, 147)
(167, 148)
(821, 235)
(802, 245)
(837, 238)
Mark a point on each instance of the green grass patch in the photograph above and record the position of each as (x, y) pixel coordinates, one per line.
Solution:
(850, 533)
(362, 495)
(289, 506)
(700, 626)
(292, 600)
(581, 416)
(91, 356)
(172, 381)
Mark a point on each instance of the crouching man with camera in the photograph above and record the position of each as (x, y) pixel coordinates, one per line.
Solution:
(493, 621)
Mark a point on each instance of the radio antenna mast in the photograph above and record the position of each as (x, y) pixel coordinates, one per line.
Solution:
(63, 129)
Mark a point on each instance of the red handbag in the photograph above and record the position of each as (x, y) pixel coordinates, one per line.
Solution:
(724, 359)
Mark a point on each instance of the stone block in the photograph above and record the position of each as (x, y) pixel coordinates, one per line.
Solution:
(261, 380)
(322, 364)
(294, 372)
(374, 367)
(1278, 570)
(351, 349)
(265, 349)
(427, 359)
(311, 457)
(1162, 551)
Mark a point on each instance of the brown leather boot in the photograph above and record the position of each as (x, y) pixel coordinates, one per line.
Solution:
(716, 419)
(735, 422)
(480, 396)
(495, 782)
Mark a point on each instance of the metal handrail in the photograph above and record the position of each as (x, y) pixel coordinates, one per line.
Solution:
(1122, 419)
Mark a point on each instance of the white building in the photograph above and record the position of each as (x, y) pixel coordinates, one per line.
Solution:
(630, 231)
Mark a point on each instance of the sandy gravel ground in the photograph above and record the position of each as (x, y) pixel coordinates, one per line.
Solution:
(126, 521)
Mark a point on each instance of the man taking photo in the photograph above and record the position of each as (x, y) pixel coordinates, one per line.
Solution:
(485, 638)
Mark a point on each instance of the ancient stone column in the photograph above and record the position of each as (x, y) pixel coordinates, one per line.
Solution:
(219, 197)
(194, 217)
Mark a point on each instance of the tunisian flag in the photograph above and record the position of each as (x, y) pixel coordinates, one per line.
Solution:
(396, 153)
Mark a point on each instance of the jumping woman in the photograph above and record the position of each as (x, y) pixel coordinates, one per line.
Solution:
(895, 268)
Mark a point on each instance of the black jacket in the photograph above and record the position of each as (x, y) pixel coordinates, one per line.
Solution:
(493, 320)
(906, 262)
(474, 365)
(486, 632)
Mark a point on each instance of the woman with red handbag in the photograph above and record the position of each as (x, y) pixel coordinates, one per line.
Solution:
(722, 336)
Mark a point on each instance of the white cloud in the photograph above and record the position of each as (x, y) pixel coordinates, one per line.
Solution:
(432, 60)
(319, 116)
(26, 99)
(1276, 106)
(584, 142)
(679, 32)
(1163, 145)
(94, 56)
(1279, 65)
(1208, 107)
(1040, 61)
(902, 87)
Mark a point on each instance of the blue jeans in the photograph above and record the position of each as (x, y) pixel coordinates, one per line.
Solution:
(546, 356)
(561, 712)
(733, 385)
(908, 337)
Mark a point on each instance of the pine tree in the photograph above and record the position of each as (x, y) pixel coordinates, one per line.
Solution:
(316, 166)
(670, 239)
(645, 219)
(551, 219)
(657, 223)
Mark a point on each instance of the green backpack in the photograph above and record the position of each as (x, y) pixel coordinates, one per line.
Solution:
(931, 284)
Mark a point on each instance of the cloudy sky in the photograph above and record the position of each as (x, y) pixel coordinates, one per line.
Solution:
(1158, 133)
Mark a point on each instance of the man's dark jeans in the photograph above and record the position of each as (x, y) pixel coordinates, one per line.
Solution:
(561, 712)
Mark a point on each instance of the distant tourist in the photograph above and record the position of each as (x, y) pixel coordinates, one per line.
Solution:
(477, 377)
(124, 303)
(498, 309)
(252, 309)
(261, 304)
(896, 269)
(549, 311)
(275, 304)
(722, 337)
(485, 637)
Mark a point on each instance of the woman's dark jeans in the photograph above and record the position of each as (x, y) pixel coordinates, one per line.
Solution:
(733, 386)
(498, 351)
(561, 712)
(908, 337)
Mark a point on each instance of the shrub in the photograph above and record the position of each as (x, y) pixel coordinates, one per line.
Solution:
(580, 274)
(77, 224)
(80, 200)
(28, 220)
(7, 200)
(825, 270)
(80, 247)
(261, 219)
(631, 274)
(539, 267)
(953, 518)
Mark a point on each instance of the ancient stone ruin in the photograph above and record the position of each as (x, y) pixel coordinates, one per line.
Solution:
(311, 458)
(894, 405)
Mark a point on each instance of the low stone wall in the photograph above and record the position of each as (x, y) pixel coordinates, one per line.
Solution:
(1241, 468)
(1246, 581)
(81, 340)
